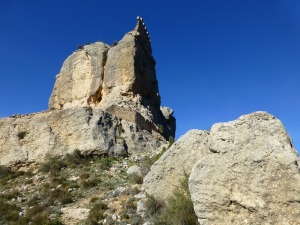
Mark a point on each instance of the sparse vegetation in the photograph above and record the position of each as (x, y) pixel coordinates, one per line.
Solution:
(96, 213)
(7, 174)
(171, 141)
(63, 181)
(115, 43)
(22, 134)
(178, 209)
(136, 178)
(160, 129)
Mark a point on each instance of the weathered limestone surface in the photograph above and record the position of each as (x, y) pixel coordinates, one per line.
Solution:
(244, 172)
(102, 76)
(80, 80)
(34, 137)
(252, 175)
(169, 169)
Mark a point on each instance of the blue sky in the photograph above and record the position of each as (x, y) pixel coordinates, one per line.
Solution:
(216, 59)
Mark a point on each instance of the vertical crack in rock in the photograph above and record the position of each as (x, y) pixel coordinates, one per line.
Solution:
(96, 98)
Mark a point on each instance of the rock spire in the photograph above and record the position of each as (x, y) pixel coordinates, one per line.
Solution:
(120, 76)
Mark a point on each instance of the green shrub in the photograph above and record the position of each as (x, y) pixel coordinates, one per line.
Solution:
(130, 203)
(9, 212)
(179, 208)
(92, 182)
(160, 129)
(136, 178)
(61, 195)
(50, 195)
(7, 174)
(96, 213)
(10, 195)
(115, 43)
(53, 165)
(94, 199)
(84, 176)
(106, 162)
(37, 215)
(171, 141)
(22, 134)
(153, 206)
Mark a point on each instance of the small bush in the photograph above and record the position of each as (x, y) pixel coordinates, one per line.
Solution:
(50, 195)
(136, 178)
(130, 203)
(61, 195)
(10, 195)
(92, 182)
(115, 43)
(179, 208)
(8, 212)
(106, 162)
(171, 141)
(94, 199)
(56, 164)
(7, 174)
(161, 129)
(153, 206)
(53, 165)
(37, 215)
(84, 176)
(96, 213)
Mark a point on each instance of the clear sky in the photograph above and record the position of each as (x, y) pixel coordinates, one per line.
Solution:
(216, 59)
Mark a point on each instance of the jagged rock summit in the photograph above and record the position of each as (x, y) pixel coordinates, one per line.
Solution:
(105, 100)
(122, 76)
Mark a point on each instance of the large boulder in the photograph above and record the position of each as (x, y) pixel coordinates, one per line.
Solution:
(251, 176)
(178, 159)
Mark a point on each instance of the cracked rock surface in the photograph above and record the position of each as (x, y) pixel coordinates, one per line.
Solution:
(244, 171)
(36, 137)
(251, 177)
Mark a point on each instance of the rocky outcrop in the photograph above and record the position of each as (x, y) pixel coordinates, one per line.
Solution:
(169, 169)
(251, 177)
(123, 75)
(32, 138)
(80, 78)
(247, 172)
(105, 101)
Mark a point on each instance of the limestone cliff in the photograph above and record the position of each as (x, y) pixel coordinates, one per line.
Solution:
(105, 101)
(123, 75)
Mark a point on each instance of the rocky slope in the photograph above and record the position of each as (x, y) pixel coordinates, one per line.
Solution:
(246, 172)
(74, 189)
(105, 101)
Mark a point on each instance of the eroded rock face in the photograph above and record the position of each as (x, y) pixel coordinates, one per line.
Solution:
(169, 169)
(105, 101)
(244, 172)
(35, 137)
(123, 75)
(252, 175)
(79, 82)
